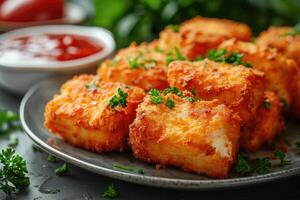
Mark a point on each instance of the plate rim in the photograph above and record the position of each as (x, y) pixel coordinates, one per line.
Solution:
(161, 182)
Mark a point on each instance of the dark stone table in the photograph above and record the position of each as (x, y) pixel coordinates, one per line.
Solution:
(83, 185)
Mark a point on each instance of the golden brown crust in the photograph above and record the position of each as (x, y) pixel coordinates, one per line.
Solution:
(196, 36)
(268, 124)
(149, 72)
(275, 37)
(240, 88)
(281, 73)
(199, 137)
(83, 117)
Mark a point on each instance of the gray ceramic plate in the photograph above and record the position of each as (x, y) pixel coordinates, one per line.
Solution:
(31, 113)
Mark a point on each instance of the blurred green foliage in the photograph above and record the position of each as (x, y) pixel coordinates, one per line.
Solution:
(142, 20)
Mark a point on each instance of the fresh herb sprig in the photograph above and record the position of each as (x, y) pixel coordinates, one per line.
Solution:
(222, 55)
(128, 169)
(13, 171)
(110, 192)
(267, 104)
(176, 55)
(62, 170)
(247, 166)
(155, 96)
(119, 99)
(280, 155)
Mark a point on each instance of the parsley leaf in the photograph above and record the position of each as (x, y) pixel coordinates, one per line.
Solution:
(173, 90)
(110, 192)
(155, 96)
(216, 55)
(13, 171)
(62, 170)
(281, 157)
(246, 166)
(243, 165)
(170, 103)
(267, 104)
(9, 121)
(174, 27)
(221, 55)
(263, 165)
(51, 158)
(177, 55)
(128, 169)
(119, 99)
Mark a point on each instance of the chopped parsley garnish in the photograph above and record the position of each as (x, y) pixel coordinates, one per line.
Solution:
(9, 121)
(110, 192)
(128, 169)
(93, 85)
(221, 55)
(134, 62)
(267, 104)
(243, 165)
(216, 55)
(263, 165)
(191, 99)
(295, 31)
(13, 141)
(155, 96)
(170, 103)
(176, 55)
(138, 61)
(51, 158)
(246, 166)
(198, 58)
(119, 99)
(12, 172)
(174, 27)
(62, 170)
(173, 90)
(278, 154)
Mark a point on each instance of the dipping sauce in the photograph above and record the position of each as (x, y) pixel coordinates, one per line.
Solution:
(48, 47)
(31, 10)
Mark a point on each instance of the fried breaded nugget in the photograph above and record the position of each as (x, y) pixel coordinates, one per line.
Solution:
(199, 137)
(85, 115)
(268, 124)
(289, 45)
(281, 73)
(277, 37)
(196, 36)
(139, 65)
(240, 88)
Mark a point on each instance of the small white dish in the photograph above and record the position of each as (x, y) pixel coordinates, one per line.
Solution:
(74, 14)
(19, 77)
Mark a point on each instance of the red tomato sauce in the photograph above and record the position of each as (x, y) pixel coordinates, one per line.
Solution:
(49, 47)
(31, 10)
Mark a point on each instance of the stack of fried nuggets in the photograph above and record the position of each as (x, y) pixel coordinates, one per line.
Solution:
(199, 113)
